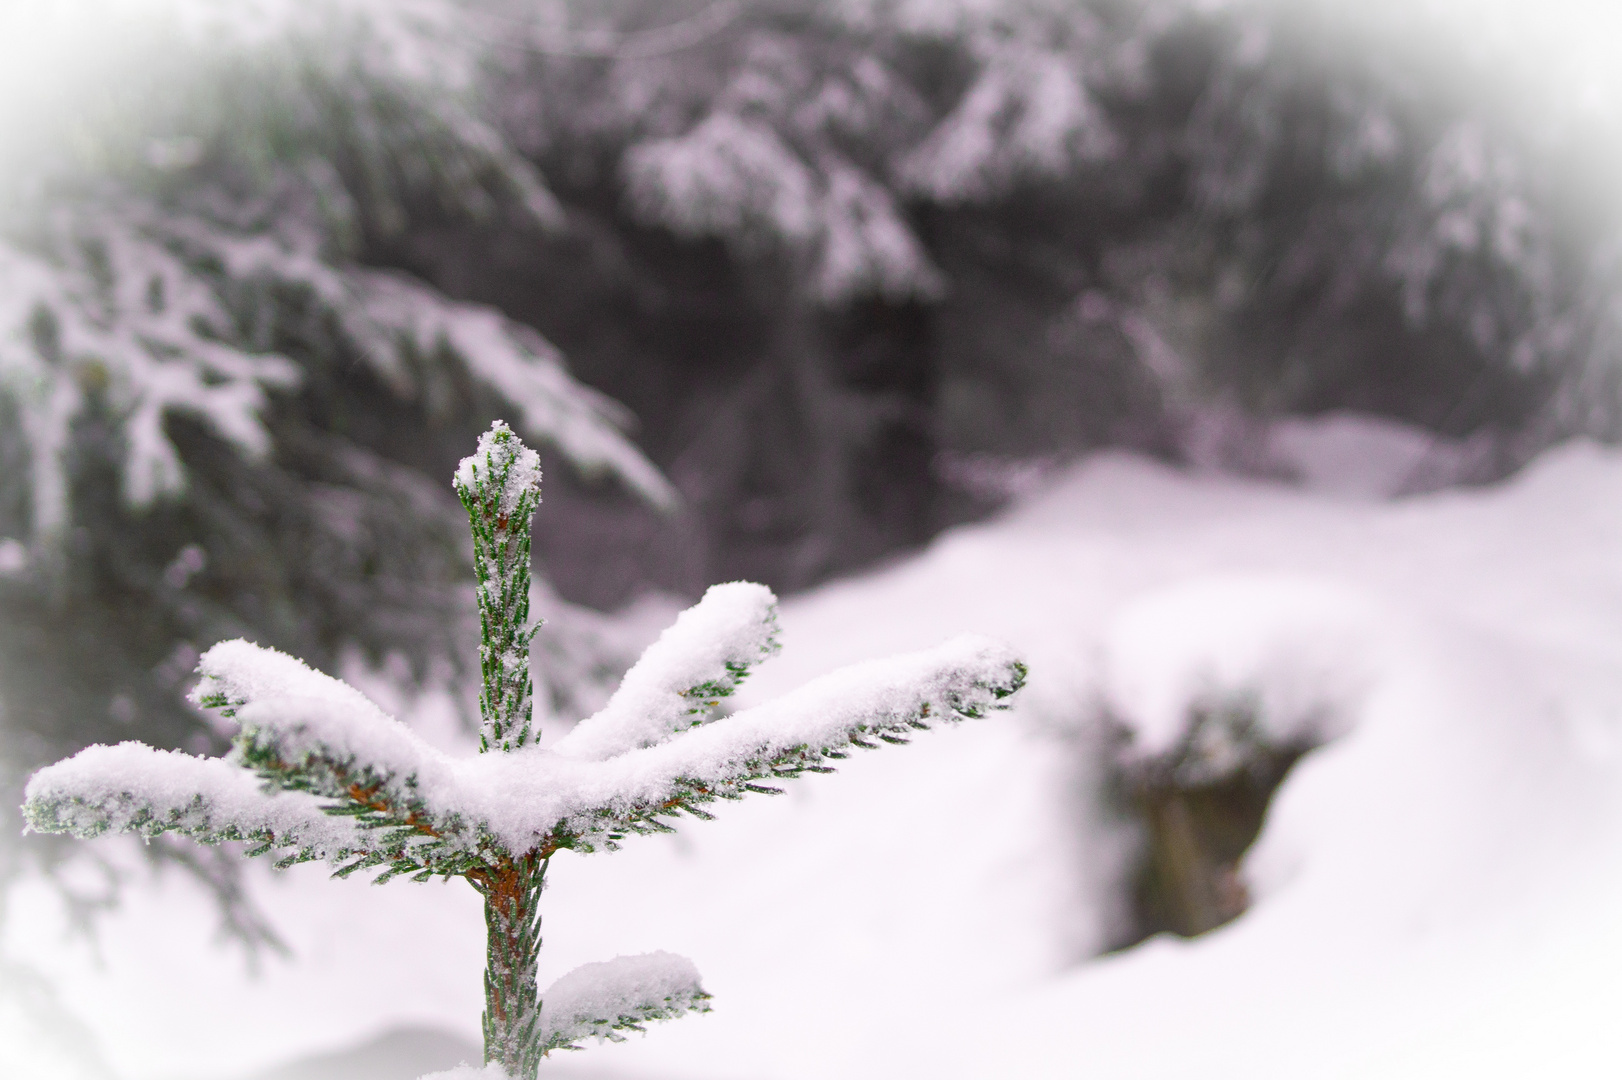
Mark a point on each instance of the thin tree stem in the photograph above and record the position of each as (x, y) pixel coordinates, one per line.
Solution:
(512, 1005)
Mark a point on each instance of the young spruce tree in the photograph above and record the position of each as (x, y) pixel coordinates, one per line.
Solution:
(317, 771)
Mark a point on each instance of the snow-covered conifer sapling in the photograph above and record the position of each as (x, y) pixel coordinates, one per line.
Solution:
(318, 772)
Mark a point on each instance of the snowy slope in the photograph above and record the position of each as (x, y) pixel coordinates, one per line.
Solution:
(1439, 888)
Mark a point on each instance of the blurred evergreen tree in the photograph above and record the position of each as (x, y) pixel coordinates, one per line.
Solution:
(221, 418)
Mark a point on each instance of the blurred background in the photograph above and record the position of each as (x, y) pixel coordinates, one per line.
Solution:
(803, 293)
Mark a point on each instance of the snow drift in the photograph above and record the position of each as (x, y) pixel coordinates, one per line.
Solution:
(1435, 890)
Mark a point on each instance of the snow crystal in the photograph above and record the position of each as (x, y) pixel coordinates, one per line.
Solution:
(683, 675)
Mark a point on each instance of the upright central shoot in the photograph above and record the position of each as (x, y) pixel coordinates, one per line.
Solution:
(500, 485)
(317, 771)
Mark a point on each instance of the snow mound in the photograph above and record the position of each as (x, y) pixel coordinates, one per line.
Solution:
(1296, 651)
(491, 1071)
(1435, 889)
(1357, 456)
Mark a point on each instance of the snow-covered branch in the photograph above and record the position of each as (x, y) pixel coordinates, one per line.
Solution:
(601, 1000)
(134, 788)
(683, 676)
(857, 706)
(104, 311)
(303, 731)
(240, 180)
(587, 427)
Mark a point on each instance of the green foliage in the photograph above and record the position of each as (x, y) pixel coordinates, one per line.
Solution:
(500, 502)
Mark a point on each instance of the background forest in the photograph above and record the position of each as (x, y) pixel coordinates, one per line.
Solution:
(783, 289)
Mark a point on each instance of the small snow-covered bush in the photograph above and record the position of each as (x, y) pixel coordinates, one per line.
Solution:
(317, 771)
(1216, 688)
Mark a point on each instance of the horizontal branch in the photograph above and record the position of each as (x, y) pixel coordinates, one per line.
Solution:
(603, 1000)
(304, 731)
(451, 814)
(861, 706)
(134, 788)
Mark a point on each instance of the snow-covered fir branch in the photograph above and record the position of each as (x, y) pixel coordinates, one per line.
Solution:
(429, 813)
(158, 287)
(602, 1000)
(682, 677)
(302, 731)
(134, 788)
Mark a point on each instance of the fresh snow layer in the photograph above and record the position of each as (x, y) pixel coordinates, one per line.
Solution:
(1298, 650)
(500, 451)
(1436, 890)
(594, 1000)
(733, 177)
(682, 676)
(520, 798)
(491, 1071)
(133, 788)
(1367, 457)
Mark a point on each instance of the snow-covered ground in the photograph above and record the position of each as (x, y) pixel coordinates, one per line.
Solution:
(1438, 887)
